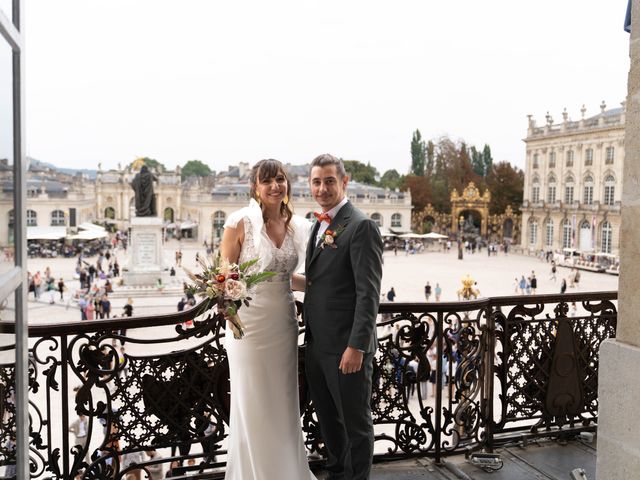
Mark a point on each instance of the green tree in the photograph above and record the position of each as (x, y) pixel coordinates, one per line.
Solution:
(418, 154)
(477, 161)
(391, 179)
(506, 184)
(360, 172)
(487, 159)
(430, 165)
(195, 168)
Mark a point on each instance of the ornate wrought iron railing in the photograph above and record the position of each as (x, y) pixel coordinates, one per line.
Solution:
(448, 377)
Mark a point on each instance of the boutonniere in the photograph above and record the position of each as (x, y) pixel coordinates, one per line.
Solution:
(328, 238)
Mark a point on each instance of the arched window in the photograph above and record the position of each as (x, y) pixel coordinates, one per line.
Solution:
(567, 233)
(168, 215)
(376, 217)
(219, 218)
(57, 218)
(551, 190)
(607, 237)
(535, 160)
(533, 231)
(32, 218)
(110, 212)
(535, 191)
(587, 197)
(568, 190)
(569, 158)
(396, 220)
(552, 159)
(609, 190)
(12, 218)
(586, 239)
(548, 239)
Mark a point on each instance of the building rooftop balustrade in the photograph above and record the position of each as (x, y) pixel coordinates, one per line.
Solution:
(449, 379)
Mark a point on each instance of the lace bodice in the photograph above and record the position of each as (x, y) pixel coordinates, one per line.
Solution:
(284, 259)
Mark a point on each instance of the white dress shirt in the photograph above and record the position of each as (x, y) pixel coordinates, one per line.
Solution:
(332, 213)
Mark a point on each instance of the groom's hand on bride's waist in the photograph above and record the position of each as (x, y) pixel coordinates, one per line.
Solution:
(351, 361)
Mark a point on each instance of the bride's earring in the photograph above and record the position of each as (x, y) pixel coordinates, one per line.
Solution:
(258, 198)
(285, 200)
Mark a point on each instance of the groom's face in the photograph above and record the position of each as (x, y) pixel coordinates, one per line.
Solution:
(327, 188)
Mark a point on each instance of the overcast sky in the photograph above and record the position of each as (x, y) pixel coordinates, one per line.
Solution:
(231, 81)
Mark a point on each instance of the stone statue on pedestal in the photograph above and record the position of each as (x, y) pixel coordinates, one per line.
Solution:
(142, 185)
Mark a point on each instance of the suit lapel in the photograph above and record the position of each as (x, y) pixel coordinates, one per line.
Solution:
(312, 241)
(344, 214)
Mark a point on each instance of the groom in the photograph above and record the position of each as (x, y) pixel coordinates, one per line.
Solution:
(343, 273)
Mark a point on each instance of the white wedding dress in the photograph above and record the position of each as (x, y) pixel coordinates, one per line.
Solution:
(265, 436)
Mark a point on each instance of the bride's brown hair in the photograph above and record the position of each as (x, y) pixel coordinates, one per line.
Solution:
(266, 170)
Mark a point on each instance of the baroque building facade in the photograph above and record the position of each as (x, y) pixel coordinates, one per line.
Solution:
(573, 182)
(195, 208)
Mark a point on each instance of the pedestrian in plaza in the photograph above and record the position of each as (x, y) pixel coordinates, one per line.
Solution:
(181, 304)
(427, 291)
(516, 285)
(92, 273)
(61, 288)
(563, 286)
(37, 284)
(116, 268)
(83, 278)
(528, 286)
(82, 304)
(391, 295)
(51, 289)
(155, 470)
(105, 305)
(80, 429)
(553, 271)
(522, 285)
(576, 278)
(438, 292)
(128, 308)
(178, 258)
(90, 309)
(534, 282)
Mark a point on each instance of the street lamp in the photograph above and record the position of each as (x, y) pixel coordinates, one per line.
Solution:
(460, 249)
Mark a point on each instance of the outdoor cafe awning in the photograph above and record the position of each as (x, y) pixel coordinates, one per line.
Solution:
(434, 235)
(92, 234)
(46, 233)
(90, 226)
(188, 225)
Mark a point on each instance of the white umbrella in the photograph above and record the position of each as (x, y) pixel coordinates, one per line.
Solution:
(410, 235)
(434, 235)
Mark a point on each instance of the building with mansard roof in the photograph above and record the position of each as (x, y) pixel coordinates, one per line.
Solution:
(195, 208)
(573, 182)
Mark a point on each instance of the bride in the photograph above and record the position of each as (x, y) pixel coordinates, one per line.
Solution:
(265, 437)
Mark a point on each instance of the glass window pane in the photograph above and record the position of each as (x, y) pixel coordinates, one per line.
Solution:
(7, 243)
(7, 385)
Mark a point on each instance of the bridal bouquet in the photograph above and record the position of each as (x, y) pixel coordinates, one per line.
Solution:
(226, 285)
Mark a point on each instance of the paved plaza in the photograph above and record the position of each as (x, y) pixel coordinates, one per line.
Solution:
(408, 274)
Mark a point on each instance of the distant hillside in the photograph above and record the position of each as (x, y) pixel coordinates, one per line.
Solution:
(68, 171)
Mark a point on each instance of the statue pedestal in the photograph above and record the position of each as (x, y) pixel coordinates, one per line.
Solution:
(146, 262)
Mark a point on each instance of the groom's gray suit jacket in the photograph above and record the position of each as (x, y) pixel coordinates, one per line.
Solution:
(343, 284)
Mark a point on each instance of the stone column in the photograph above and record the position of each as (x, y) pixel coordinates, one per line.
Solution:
(618, 380)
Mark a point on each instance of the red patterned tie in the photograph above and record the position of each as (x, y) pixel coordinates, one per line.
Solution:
(322, 217)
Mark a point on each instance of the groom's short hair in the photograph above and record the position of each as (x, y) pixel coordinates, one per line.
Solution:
(327, 159)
